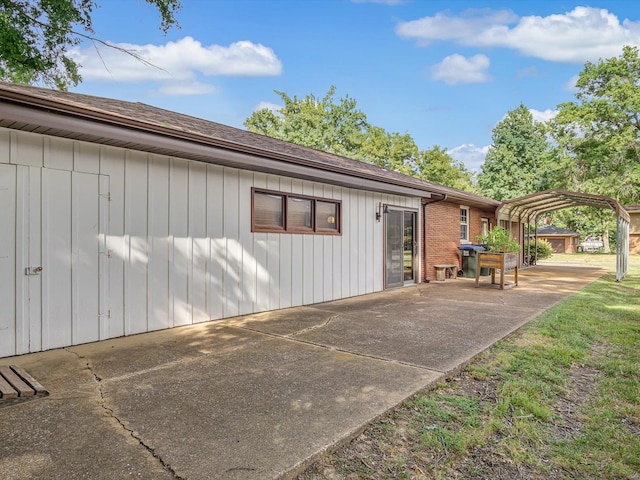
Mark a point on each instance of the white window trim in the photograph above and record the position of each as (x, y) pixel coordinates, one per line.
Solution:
(468, 240)
(484, 221)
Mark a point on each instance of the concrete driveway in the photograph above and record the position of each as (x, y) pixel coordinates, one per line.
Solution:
(260, 396)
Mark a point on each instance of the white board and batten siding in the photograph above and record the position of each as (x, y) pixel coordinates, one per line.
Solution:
(131, 242)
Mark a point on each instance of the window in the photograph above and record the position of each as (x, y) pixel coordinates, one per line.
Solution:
(326, 216)
(292, 213)
(268, 211)
(484, 227)
(464, 224)
(299, 213)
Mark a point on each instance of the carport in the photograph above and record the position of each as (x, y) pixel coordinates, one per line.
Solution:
(528, 208)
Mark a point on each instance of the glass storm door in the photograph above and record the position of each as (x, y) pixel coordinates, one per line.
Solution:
(400, 247)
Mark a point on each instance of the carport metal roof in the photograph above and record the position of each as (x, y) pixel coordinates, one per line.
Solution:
(530, 207)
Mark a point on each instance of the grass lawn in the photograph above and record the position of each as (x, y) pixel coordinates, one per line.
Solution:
(559, 399)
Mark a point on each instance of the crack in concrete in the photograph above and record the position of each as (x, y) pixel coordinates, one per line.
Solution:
(341, 350)
(110, 411)
(313, 327)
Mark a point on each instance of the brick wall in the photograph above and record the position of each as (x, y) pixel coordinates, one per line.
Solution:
(442, 233)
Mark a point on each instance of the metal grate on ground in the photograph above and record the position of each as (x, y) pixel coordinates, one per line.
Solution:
(16, 385)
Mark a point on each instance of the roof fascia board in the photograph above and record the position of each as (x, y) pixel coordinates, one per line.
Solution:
(151, 142)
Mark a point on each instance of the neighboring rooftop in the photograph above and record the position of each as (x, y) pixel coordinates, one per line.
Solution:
(553, 230)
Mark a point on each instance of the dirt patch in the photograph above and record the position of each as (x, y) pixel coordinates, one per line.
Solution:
(395, 448)
(582, 381)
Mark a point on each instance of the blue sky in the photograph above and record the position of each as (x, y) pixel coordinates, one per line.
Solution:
(443, 71)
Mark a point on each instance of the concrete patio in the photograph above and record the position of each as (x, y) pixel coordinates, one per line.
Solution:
(260, 396)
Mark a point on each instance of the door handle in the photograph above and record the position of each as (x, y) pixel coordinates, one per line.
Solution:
(32, 270)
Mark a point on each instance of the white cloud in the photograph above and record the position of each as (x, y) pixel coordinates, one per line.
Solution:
(443, 26)
(585, 33)
(269, 106)
(543, 116)
(570, 85)
(456, 69)
(181, 60)
(472, 156)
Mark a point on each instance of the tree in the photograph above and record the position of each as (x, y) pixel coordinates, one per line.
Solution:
(601, 131)
(324, 124)
(599, 138)
(519, 150)
(35, 36)
(436, 165)
(338, 126)
(393, 151)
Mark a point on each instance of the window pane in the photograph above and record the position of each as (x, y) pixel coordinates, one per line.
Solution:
(326, 215)
(267, 210)
(463, 215)
(299, 213)
(463, 232)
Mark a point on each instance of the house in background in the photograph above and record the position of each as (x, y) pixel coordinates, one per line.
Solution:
(121, 218)
(634, 228)
(562, 240)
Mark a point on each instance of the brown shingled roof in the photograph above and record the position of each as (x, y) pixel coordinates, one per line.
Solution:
(140, 115)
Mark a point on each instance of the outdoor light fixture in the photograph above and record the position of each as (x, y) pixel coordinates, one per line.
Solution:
(381, 209)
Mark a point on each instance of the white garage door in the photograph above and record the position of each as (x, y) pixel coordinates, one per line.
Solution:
(52, 258)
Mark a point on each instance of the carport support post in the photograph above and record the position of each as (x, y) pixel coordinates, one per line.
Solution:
(622, 248)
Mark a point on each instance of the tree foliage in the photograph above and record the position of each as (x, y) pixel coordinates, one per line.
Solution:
(600, 132)
(338, 126)
(436, 165)
(519, 151)
(321, 123)
(36, 35)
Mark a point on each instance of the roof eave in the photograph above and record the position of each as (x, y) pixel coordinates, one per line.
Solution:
(71, 121)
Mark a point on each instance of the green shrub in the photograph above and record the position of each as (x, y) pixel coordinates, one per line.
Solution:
(499, 240)
(544, 249)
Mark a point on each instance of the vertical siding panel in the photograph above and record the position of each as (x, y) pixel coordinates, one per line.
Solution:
(199, 244)
(248, 281)
(318, 257)
(353, 243)
(273, 254)
(158, 243)
(85, 242)
(285, 257)
(22, 257)
(327, 256)
(217, 252)
(363, 254)
(297, 258)
(260, 254)
(233, 266)
(308, 278)
(336, 242)
(58, 153)
(27, 149)
(369, 220)
(345, 262)
(112, 163)
(7, 252)
(136, 259)
(377, 254)
(5, 146)
(56, 252)
(180, 253)
(34, 241)
(86, 157)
